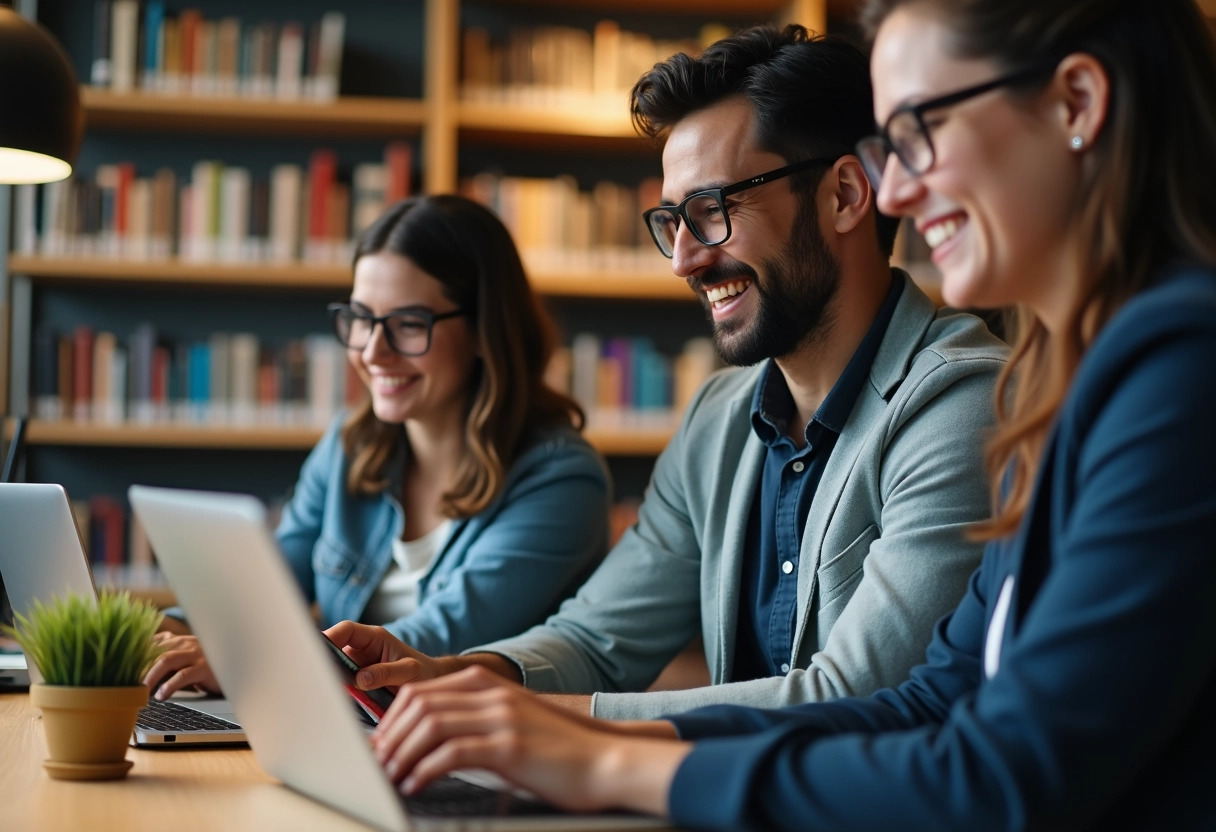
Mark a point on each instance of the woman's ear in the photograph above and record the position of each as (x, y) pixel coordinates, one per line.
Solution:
(1083, 87)
(852, 195)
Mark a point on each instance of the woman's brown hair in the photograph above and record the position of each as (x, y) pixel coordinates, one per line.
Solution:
(1147, 197)
(467, 248)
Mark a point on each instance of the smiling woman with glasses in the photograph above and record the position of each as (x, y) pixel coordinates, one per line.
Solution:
(458, 504)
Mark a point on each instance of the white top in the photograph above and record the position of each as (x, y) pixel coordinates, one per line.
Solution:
(397, 595)
(996, 629)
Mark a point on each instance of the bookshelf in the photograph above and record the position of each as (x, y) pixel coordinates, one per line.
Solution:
(449, 134)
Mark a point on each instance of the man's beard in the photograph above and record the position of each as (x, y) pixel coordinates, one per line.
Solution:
(792, 306)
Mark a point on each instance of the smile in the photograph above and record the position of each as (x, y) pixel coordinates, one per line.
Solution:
(389, 382)
(720, 293)
(942, 230)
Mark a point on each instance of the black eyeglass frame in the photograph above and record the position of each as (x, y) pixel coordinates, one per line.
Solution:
(421, 313)
(680, 212)
(882, 139)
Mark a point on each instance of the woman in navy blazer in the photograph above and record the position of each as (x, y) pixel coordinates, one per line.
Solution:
(457, 504)
(1061, 157)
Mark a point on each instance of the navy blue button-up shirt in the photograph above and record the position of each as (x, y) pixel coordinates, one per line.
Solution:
(764, 639)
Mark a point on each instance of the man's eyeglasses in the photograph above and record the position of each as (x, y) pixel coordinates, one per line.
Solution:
(705, 212)
(907, 136)
(407, 331)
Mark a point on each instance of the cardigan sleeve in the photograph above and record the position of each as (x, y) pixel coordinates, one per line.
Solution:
(1110, 659)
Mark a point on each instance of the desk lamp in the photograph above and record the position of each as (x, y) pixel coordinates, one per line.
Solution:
(40, 117)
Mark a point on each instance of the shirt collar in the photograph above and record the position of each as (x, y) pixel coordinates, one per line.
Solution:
(773, 406)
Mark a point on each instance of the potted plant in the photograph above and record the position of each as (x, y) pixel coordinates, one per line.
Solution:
(92, 656)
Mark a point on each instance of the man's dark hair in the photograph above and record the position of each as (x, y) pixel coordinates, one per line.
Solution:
(811, 96)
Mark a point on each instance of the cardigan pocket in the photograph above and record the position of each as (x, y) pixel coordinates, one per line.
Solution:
(842, 573)
(331, 560)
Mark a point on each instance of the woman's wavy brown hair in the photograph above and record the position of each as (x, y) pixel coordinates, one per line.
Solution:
(1148, 194)
(467, 248)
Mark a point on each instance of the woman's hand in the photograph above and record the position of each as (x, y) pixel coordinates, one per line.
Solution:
(182, 665)
(475, 719)
(387, 661)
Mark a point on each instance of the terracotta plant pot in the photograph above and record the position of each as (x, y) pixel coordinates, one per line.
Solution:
(87, 729)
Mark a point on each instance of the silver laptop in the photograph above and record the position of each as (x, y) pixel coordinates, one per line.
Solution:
(247, 611)
(41, 556)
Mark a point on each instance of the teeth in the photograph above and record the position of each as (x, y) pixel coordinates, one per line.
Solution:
(938, 233)
(390, 381)
(726, 290)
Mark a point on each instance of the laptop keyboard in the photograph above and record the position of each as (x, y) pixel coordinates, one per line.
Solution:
(169, 716)
(453, 797)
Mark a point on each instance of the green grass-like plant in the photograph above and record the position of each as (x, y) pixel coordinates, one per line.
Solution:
(77, 642)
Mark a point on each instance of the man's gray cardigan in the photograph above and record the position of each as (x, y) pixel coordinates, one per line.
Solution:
(883, 553)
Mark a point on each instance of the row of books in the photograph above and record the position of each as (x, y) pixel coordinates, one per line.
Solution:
(239, 380)
(556, 66)
(189, 54)
(228, 379)
(623, 382)
(558, 225)
(222, 213)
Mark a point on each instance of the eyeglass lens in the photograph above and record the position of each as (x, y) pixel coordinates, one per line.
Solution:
(407, 333)
(704, 215)
(908, 140)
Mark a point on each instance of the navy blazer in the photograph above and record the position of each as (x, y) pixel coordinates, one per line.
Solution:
(1091, 704)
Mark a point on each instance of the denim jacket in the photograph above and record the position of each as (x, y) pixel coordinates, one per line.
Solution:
(498, 573)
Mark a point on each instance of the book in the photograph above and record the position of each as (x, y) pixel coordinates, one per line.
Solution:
(398, 163)
(46, 372)
(153, 45)
(99, 71)
(124, 39)
(328, 68)
(286, 191)
(290, 65)
(82, 373)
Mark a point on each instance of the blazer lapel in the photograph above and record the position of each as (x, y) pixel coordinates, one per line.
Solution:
(914, 313)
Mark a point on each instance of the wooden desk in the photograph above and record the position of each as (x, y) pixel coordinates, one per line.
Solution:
(177, 789)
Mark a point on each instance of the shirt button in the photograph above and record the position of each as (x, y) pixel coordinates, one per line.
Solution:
(785, 668)
(798, 466)
(787, 567)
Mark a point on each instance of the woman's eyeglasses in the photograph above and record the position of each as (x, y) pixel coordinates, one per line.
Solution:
(907, 136)
(407, 331)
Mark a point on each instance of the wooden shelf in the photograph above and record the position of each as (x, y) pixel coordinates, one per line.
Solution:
(177, 272)
(752, 9)
(611, 441)
(345, 117)
(656, 284)
(581, 126)
(89, 434)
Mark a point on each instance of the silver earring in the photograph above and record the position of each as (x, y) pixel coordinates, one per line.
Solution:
(1077, 142)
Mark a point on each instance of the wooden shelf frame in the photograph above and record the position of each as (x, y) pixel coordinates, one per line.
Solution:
(631, 284)
(346, 117)
(615, 441)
